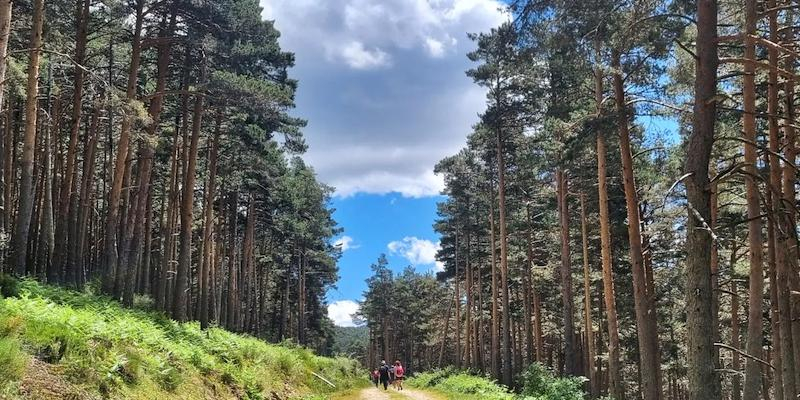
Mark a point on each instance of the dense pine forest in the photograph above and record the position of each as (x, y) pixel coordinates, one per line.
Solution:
(150, 154)
(625, 210)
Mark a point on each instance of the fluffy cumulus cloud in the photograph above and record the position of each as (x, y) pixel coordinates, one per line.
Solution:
(341, 312)
(345, 243)
(382, 84)
(417, 251)
(358, 57)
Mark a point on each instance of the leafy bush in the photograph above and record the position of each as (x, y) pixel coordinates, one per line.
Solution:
(460, 385)
(12, 360)
(539, 383)
(8, 286)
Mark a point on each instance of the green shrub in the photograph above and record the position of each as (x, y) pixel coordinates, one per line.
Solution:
(539, 383)
(12, 360)
(9, 287)
(461, 385)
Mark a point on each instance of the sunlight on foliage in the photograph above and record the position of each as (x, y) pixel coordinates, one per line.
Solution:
(105, 349)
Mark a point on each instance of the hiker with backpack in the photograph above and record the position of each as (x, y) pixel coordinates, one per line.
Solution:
(399, 374)
(375, 377)
(383, 371)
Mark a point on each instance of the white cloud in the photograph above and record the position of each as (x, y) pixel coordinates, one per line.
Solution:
(439, 266)
(341, 312)
(382, 85)
(358, 57)
(345, 243)
(417, 251)
(435, 47)
(383, 182)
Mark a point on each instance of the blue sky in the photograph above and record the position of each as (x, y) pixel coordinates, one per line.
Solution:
(392, 224)
(383, 87)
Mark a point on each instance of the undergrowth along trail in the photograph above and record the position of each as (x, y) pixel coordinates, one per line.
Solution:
(56, 343)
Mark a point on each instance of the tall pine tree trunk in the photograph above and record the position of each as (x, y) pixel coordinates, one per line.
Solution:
(752, 385)
(68, 194)
(87, 184)
(208, 225)
(567, 306)
(19, 243)
(615, 382)
(5, 30)
(789, 180)
(650, 365)
(736, 385)
(494, 353)
(587, 303)
(111, 254)
(187, 206)
(457, 299)
(504, 293)
(703, 378)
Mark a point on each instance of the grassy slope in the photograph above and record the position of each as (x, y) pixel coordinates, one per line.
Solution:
(56, 343)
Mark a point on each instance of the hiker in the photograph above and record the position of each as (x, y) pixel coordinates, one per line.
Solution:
(375, 377)
(392, 381)
(399, 374)
(384, 374)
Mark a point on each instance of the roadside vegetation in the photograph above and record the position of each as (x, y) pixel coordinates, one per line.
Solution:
(536, 383)
(56, 343)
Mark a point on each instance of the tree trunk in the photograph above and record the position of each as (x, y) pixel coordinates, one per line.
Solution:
(5, 30)
(587, 304)
(468, 310)
(752, 384)
(506, 327)
(46, 234)
(736, 389)
(526, 282)
(457, 299)
(121, 162)
(567, 311)
(19, 243)
(777, 362)
(208, 224)
(495, 350)
(645, 316)
(616, 386)
(86, 189)
(537, 315)
(233, 298)
(789, 218)
(187, 205)
(703, 379)
(68, 194)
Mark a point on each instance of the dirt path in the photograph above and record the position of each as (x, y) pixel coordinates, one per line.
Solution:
(391, 394)
(417, 395)
(374, 394)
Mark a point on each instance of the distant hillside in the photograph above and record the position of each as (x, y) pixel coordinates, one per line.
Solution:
(351, 342)
(56, 343)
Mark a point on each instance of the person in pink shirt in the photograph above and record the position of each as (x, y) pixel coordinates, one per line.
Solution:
(399, 374)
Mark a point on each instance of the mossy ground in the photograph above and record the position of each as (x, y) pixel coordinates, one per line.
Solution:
(56, 343)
